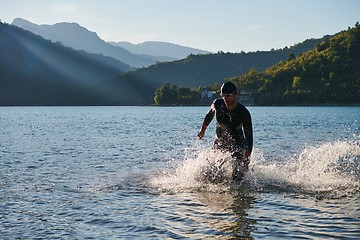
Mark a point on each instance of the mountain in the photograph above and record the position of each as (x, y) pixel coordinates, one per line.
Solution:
(79, 73)
(24, 52)
(75, 36)
(208, 69)
(35, 71)
(138, 87)
(160, 49)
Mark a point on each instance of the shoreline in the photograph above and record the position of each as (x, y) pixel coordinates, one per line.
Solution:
(248, 104)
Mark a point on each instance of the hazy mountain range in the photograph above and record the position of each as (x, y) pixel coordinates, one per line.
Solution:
(75, 36)
(24, 52)
(159, 49)
(36, 71)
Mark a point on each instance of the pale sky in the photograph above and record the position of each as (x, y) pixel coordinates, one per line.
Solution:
(224, 25)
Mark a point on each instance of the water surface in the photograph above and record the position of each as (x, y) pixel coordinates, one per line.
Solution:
(135, 172)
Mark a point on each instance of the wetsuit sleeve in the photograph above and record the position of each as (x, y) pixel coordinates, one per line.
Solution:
(248, 132)
(209, 116)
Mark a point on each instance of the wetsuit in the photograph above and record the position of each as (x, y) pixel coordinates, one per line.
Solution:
(233, 128)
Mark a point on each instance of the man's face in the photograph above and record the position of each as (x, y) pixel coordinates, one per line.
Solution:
(229, 99)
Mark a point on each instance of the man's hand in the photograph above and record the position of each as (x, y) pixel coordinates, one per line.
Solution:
(244, 166)
(201, 134)
(247, 154)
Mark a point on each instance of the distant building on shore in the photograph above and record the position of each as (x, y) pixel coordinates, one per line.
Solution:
(244, 94)
(207, 93)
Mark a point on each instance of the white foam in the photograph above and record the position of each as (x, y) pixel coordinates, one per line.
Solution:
(188, 175)
(330, 168)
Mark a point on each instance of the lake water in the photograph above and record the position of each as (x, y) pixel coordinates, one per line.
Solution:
(135, 173)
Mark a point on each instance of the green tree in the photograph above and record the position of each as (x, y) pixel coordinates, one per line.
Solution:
(185, 95)
(253, 72)
(166, 94)
(216, 87)
(290, 57)
(322, 46)
(296, 83)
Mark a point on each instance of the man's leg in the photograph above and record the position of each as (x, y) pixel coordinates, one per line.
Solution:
(239, 167)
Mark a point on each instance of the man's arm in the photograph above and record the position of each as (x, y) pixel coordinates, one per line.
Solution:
(208, 118)
(248, 131)
(201, 132)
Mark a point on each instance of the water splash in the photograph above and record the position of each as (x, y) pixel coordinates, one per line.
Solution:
(330, 170)
(208, 171)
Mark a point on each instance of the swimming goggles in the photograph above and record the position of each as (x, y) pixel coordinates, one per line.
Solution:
(227, 95)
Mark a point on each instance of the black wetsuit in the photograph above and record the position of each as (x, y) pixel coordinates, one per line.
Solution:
(233, 128)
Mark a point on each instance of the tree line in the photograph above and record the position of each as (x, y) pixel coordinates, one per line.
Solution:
(169, 94)
(328, 74)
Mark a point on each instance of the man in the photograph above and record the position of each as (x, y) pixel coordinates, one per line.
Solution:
(233, 128)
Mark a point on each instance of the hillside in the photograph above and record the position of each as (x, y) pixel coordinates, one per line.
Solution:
(19, 89)
(193, 71)
(328, 74)
(104, 80)
(208, 69)
(25, 52)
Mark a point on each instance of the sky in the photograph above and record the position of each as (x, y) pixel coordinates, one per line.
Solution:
(223, 25)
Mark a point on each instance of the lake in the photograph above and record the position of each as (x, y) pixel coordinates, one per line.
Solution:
(135, 173)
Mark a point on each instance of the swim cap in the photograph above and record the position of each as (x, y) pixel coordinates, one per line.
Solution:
(228, 87)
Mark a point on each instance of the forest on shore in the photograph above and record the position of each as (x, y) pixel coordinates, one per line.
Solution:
(329, 74)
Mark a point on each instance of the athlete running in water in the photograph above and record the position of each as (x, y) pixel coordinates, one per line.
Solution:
(233, 128)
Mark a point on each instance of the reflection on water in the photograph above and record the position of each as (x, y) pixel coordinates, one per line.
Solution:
(230, 212)
(203, 215)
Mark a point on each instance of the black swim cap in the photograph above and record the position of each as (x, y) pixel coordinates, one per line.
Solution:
(228, 87)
